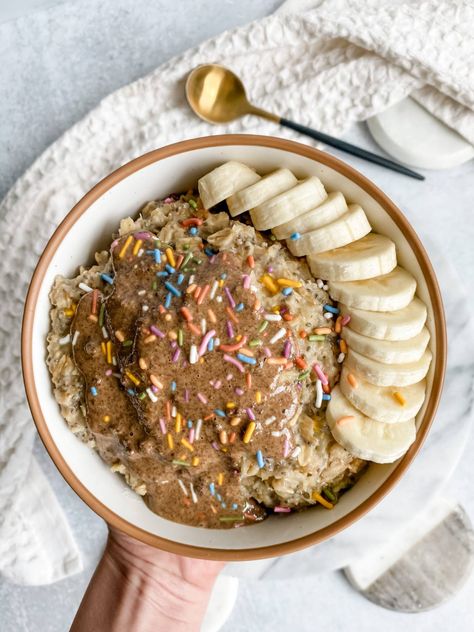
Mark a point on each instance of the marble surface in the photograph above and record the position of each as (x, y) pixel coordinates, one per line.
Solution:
(11, 9)
(52, 79)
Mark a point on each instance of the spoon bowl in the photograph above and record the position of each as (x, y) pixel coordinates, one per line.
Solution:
(217, 95)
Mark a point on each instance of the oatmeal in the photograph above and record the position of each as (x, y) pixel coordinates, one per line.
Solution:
(188, 357)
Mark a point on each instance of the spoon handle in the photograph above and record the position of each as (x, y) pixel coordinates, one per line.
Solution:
(351, 149)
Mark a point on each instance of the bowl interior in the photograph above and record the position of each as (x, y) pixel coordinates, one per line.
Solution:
(92, 231)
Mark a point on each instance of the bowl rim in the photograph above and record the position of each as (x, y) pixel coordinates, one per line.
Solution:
(100, 189)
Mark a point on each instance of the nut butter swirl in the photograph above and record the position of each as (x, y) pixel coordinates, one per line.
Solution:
(185, 376)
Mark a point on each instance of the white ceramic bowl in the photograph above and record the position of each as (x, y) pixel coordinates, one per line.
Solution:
(88, 227)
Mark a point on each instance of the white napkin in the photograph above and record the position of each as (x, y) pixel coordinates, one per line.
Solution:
(339, 62)
(37, 544)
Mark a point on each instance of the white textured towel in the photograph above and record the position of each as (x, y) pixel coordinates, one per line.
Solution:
(338, 62)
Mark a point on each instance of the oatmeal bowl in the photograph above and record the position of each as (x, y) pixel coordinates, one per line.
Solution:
(233, 347)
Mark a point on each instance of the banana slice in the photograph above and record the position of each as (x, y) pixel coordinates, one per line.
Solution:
(364, 437)
(388, 351)
(288, 205)
(390, 404)
(371, 256)
(224, 181)
(349, 227)
(388, 374)
(331, 209)
(384, 293)
(400, 324)
(263, 190)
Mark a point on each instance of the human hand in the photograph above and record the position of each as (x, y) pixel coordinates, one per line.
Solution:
(177, 586)
(139, 588)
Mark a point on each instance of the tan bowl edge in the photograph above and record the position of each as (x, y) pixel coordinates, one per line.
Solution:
(27, 328)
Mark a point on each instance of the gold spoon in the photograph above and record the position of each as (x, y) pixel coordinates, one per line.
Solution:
(217, 95)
